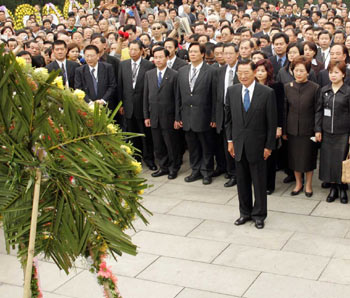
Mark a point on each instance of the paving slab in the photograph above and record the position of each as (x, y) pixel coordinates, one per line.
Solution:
(337, 271)
(273, 261)
(334, 210)
(275, 286)
(191, 293)
(178, 247)
(201, 276)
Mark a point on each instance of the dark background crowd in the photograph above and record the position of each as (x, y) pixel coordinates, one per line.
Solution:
(174, 64)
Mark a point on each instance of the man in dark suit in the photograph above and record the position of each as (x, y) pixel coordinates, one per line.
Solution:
(227, 76)
(159, 113)
(266, 22)
(67, 68)
(338, 52)
(130, 89)
(195, 112)
(280, 43)
(251, 122)
(174, 62)
(96, 79)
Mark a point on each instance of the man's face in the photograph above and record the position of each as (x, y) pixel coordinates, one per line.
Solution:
(195, 54)
(226, 35)
(132, 35)
(314, 17)
(78, 38)
(2, 16)
(34, 49)
(12, 45)
(324, 41)
(144, 24)
(60, 52)
(329, 28)
(292, 37)
(230, 56)
(245, 50)
(246, 35)
(101, 46)
(265, 23)
(160, 60)
(288, 10)
(309, 35)
(200, 29)
(71, 22)
(106, 14)
(156, 30)
(336, 53)
(263, 43)
(245, 74)
(219, 55)
(87, 33)
(171, 48)
(91, 57)
(162, 17)
(135, 52)
(210, 58)
(339, 38)
(280, 46)
(103, 24)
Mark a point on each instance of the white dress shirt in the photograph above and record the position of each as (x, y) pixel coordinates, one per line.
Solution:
(95, 72)
(64, 63)
(171, 62)
(327, 57)
(227, 75)
(198, 67)
(138, 62)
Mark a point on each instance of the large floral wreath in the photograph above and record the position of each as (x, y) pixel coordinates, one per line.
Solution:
(23, 12)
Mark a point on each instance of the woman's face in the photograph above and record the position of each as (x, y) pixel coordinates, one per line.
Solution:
(8, 32)
(300, 73)
(257, 57)
(308, 53)
(293, 53)
(347, 42)
(73, 54)
(261, 73)
(336, 75)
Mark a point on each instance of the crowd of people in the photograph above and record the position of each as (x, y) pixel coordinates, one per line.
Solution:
(248, 90)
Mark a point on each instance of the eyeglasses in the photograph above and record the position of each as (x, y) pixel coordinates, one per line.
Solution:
(156, 28)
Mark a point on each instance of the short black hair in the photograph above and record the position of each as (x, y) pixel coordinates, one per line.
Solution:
(173, 40)
(161, 49)
(91, 47)
(280, 35)
(138, 42)
(98, 36)
(196, 43)
(231, 44)
(246, 62)
(58, 43)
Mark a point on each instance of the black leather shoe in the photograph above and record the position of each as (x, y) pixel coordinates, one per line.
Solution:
(151, 166)
(269, 191)
(308, 194)
(325, 185)
(228, 176)
(242, 220)
(159, 173)
(343, 195)
(259, 224)
(193, 177)
(172, 175)
(206, 180)
(295, 193)
(289, 179)
(333, 194)
(217, 173)
(231, 182)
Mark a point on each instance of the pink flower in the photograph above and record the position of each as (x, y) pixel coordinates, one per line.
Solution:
(105, 271)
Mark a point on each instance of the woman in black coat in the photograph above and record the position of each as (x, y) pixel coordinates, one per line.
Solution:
(264, 75)
(310, 51)
(299, 122)
(333, 128)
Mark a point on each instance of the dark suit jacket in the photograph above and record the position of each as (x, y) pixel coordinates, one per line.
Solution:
(106, 86)
(159, 103)
(323, 77)
(300, 108)
(196, 109)
(178, 63)
(71, 67)
(132, 98)
(268, 51)
(276, 67)
(220, 106)
(255, 130)
(284, 76)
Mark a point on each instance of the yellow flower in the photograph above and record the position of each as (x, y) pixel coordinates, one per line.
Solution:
(80, 94)
(103, 248)
(141, 191)
(41, 74)
(111, 128)
(59, 82)
(137, 165)
(21, 61)
(126, 149)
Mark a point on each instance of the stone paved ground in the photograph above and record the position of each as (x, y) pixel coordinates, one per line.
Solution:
(192, 249)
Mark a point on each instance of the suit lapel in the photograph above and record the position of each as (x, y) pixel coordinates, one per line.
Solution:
(100, 77)
(238, 103)
(164, 79)
(89, 82)
(141, 73)
(129, 71)
(187, 76)
(200, 75)
(222, 74)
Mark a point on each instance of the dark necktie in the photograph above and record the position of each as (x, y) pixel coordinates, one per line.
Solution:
(323, 57)
(230, 78)
(64, 74)
(193, 78)
(94, 81)
(159, 79)
(280, 62)
(246, 100)
(134, 72)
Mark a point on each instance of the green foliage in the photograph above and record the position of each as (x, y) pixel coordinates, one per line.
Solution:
(90, 191)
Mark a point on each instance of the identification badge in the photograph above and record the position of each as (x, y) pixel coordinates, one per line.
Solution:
(327, 112)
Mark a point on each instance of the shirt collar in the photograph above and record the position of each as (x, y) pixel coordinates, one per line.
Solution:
(163, 71)
(95, 67)
(62, 62)
(137, 62)
(250, 88)
(198, 67)
(172, 60)
(234, 67)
